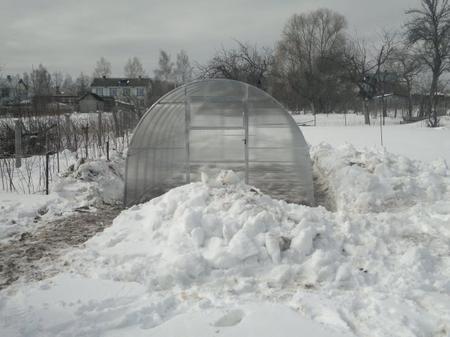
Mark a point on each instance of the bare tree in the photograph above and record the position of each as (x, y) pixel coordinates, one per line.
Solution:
(82, 84)
(246, 63)
(165, 70)
(133, 68)
(102, 68)
(68, 85)
(183, 68)
(429, 29)
(310, 57)
(408, 66)
(367, 68)
(40, 81)
(57, 80)
(383, 79)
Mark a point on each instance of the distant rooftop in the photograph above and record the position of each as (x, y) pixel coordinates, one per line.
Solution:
(120, 82)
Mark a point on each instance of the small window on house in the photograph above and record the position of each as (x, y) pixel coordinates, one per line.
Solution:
(140, 92)
(126, 91)
(99, 91)
(113, 92)
(5, 92)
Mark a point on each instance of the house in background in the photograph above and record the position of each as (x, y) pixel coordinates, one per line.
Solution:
(91, 102)
(132, 90)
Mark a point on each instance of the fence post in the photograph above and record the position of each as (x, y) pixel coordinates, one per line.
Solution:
(68, 131)
(116, 122)
(18, 143)
(47, 156)
(100, 131)
(86, 140)
(107, 150)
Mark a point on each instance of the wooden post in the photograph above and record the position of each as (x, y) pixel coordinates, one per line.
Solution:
(68, 130)
(18, 143)
(100, 131)
(86, 137)
(116, 123)
(47, 156)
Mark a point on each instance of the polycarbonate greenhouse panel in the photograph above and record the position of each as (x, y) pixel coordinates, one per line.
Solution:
(213, 125)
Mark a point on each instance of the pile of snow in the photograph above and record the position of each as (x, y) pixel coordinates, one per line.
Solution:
(376, 180)
(82, 185)
(211, 258)
(205, 229)
(93, 181)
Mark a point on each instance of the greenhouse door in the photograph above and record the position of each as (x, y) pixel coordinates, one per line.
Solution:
(217, 133)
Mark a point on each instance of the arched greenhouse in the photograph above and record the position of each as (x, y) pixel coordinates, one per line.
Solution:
(211, 125)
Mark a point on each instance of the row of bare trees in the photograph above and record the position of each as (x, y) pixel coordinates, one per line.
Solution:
(178, 72)
(317, 66)
(41, 82)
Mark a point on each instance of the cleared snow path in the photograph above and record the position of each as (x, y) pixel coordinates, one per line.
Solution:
(32, 255)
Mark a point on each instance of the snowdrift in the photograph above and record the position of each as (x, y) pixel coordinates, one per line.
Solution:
(376, 180)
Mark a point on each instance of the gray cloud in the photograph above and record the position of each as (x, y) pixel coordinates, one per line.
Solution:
(71, 35)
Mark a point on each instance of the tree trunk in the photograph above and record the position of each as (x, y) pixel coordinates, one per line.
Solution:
(432, 111)
(410, 106)
(384, 108)
(366, 113)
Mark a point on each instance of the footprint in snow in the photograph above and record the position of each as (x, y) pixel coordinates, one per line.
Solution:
(231, 318)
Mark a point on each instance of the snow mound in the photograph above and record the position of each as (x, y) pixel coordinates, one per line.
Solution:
(96, 181)
(202, 229)
(377, 181)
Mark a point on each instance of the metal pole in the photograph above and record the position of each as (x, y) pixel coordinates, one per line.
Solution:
(187, 119)
(245, 103)
(381, 127)
(59, 142)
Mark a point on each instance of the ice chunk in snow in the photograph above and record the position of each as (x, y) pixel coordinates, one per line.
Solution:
(241, 246)
(273, 246)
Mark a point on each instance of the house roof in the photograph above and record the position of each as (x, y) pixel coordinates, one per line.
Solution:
(120, 82)
(97, 97)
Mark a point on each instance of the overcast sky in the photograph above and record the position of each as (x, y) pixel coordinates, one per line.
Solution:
(70, 36)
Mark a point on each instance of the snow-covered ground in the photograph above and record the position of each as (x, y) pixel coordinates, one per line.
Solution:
(218, 258)
(415, 141)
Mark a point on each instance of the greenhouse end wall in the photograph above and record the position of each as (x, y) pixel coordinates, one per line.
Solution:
(211, 125)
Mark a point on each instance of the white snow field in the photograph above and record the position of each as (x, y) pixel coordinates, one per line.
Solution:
(218, 258)
(415, 140)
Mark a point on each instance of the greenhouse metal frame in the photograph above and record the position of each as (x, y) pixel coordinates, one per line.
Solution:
(212, 125)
